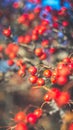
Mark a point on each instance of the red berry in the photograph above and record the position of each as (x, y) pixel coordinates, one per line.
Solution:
(21, 126)
(12, 55)
(19, 63)
(38, 112)
(52, 50)
(38, 51)
(20, 116)
(27, 39)
(55, 18)
(55, 25)
(10, 62)
(47, 73)
(42, 29)
(63, 99)
(46, 97)
(66, 60)
(54, 93)
(48, 8)
(7, 32)
(20, 39)
(32, 70)
(64, 71)
(37, 10)
(45, 22)
(60, 65)
(34, 37)
(53, 80)
(61, 80)
(43, 56)
(21, 72)
(15, 5)
(21, 19)
(33, 79)
(31, 118)
(70, 66)
(65, 23)
(23, 67)
(31, 16)
(45, 43)
(40, 81)
(71, 126)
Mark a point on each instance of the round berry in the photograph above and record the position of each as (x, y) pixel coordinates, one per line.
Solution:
(33, 79)
(38, 112)
(38, 51)
(10, 62)
(31, 118)
(63, 99)
(20, 116)
(21, 126)
(32, 70)
(47, 73)
(62, 80)
(71, 126)
(43, 56)
(40, 81)
(7, 32)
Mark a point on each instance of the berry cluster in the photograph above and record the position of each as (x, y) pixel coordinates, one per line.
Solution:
(38, 37)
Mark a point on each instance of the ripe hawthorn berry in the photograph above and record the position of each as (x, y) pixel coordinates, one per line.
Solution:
(21, 72)
(27, 39)
(38, 112)
(64, 71)
(12, 55)
(52, 50)
(40, 82)
(45, 22)
(61, 80)
(31, 16)
(10, 62)
(71, 126)
(45, 43)
(38, 52)
(21, 126)
(63, 99)
(42, 29)
(48, 8)
(54, 93)
(53, 80)
(20, 116)
(19, 62)
(31, 118)
(67, 60)
(33, 79)
(60, 65)
(65, 23)
(15, 5)
(22, 18)
(37, 10)
(55, 25)
(32, 70)
(43, 56)
(70, 66)
(34, 37)
(7, 32)
(20, 39)
(46, 97)
(47, 73)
